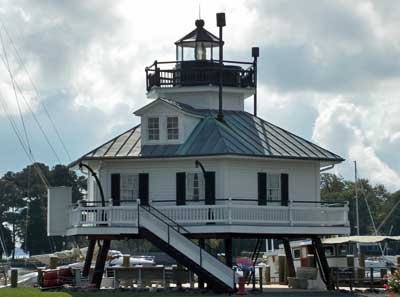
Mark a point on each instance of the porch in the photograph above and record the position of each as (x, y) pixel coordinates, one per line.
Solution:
(229, 217)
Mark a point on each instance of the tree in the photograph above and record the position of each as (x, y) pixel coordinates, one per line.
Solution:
(336, 189)
(23, 204)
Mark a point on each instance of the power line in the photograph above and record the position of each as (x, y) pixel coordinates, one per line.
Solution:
(15, 92)
(22, 64)
(21, 141)
(31, 111)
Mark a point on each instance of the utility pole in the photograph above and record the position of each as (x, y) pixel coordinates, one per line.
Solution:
(356, 198)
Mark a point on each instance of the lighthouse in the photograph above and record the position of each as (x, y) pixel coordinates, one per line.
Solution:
(199, 166)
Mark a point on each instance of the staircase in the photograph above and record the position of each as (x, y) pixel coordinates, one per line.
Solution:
(170, 237)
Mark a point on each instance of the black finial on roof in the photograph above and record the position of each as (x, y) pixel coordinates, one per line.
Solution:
(199, 23)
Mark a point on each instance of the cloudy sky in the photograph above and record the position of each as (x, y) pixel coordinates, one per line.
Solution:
(329, 71)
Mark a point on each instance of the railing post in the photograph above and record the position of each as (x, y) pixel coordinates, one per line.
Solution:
(291, 213)
(230, 211)
(110, 216)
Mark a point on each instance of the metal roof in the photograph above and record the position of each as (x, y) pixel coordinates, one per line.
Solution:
(241, 134)
(198, 35)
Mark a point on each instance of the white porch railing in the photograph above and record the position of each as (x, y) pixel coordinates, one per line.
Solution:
(258, 215)
(83, 216)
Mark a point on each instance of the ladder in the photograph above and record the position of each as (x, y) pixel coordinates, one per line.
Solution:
(254, 257)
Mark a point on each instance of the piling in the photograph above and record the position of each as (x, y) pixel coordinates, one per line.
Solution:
(53, 262)
(282, 269)
(260, 277)
(267, 275)
(14, 278)
(126, 260)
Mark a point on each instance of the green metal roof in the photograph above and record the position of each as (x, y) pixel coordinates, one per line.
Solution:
(241, 134)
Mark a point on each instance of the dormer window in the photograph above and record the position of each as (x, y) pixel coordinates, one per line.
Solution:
(153, 128)
(172, 128)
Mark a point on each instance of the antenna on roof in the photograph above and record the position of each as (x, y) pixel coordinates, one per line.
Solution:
(199, 10)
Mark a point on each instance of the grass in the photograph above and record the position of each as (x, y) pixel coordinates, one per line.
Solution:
(28, 292)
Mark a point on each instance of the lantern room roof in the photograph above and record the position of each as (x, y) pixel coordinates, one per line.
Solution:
(198, 35)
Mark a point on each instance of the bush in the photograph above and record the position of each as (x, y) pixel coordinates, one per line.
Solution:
(394, 282)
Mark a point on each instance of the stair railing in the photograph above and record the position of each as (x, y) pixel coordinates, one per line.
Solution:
(178, 228)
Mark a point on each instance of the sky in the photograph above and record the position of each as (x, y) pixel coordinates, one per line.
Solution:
(329, 71)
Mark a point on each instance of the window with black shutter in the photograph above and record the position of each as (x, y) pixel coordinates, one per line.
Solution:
(144, 188)
(180, 188)
(116, 189)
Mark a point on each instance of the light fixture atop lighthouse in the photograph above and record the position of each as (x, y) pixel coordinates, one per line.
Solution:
(200, 41)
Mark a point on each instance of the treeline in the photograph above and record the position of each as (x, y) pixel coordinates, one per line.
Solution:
(23, 207)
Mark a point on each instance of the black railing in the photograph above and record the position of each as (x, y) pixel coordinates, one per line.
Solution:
(199, 73)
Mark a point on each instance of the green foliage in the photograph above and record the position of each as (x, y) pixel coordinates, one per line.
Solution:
(336, 189)
(23, 205)
(394, 282)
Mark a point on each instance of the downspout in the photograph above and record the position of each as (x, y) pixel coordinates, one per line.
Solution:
(103, 201)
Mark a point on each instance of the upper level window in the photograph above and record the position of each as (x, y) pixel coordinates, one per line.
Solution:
(129, 187)
(194, 186)
(153, 128)
(172, 128)
(274, 187)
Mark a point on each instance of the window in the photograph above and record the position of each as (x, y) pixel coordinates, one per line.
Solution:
(274, 187)
(172, 128)
(129, 186)
(153, 128)
(194, 186)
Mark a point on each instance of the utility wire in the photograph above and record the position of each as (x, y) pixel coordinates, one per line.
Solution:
(22, 64)
(15, 93)
(31, 111)
(21, 141)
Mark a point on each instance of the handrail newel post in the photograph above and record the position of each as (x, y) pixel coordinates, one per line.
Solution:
(291, 212)
(230, 211)
(110, 215)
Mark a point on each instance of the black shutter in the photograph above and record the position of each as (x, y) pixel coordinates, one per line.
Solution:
(210, 188)
(115, 188)
(144, 188)
(262, 188)
(180, 188)
(285, 189)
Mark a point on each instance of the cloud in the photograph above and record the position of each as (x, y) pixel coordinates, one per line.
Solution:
(342, 126)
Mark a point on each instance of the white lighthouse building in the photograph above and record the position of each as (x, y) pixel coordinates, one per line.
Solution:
(199, 166)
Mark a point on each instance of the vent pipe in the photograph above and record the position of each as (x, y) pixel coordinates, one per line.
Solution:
(220, 23)
(255, 53)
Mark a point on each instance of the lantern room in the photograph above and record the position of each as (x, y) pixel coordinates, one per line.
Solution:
(198, 45)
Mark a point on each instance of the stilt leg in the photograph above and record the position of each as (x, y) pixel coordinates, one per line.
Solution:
(201, 280)
(228, 252)
(100, 263)
(322, 262)
(289, 258)
(89, 257)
